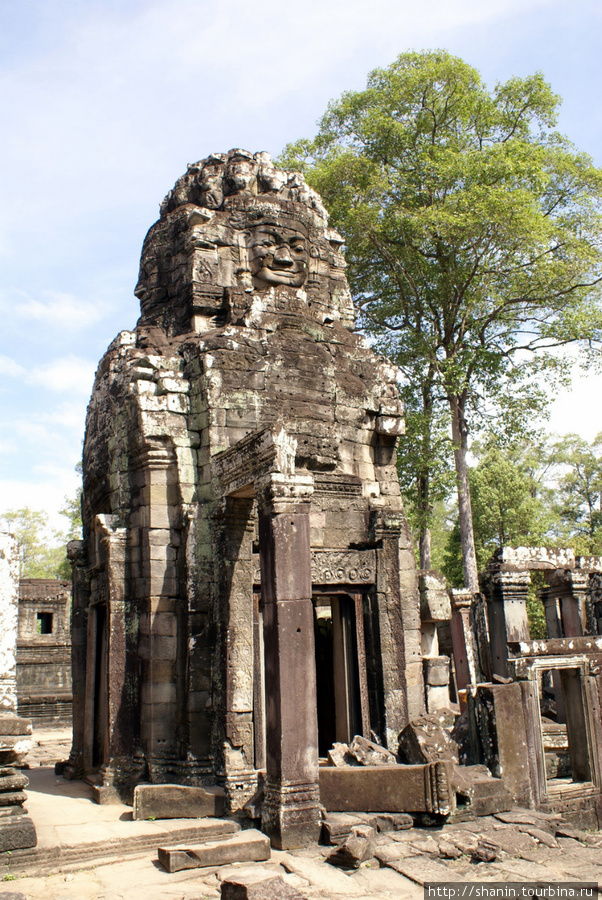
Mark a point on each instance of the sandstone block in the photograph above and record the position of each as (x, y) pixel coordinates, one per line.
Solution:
(17, 833)
(174, 801)
(262, 886)
(423, 740)
(367, 753)
(357, 848)
(247, 846)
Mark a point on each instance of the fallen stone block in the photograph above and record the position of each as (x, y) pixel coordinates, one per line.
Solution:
(338, 755)
(389, 789)
(448, 850)
(260, 886)
(246, 846)
(336, 827)
(174, 801)
(367, 753)
(424, 740)
(356, 849)
(486, 795)
(387, 822)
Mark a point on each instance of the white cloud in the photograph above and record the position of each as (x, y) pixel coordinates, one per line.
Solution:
(70, 374)
(10, 367)
(40, 494)
(61, 310)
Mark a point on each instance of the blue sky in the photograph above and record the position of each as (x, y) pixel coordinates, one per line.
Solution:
(104, 102)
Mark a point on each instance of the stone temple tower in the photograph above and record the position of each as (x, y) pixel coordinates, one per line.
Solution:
(246, 591)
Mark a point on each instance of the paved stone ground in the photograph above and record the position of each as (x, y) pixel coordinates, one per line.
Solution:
(517, 846)
(51, 744)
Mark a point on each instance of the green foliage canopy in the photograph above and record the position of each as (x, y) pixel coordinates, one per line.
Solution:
(472, 230)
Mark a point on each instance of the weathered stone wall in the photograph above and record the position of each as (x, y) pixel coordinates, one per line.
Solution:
(44, 651)
(243, 367)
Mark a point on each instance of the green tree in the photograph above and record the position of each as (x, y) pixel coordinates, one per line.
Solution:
(512, 501)
(40, 550)
(579, 495)
(472, 232)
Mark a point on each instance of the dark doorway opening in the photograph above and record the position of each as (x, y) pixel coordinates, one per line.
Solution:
(337, 670)
(100, 688)
(44, 623)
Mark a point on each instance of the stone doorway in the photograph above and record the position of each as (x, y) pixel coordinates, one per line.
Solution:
(97, 734)
(337, 670)
(565, 740)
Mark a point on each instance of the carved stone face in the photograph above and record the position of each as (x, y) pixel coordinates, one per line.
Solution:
(278, 255)
(240, 173)
(211, 186)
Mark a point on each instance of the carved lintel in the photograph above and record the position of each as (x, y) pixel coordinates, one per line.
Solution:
(339, 567)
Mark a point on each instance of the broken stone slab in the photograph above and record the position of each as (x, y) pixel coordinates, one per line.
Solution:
(246, 846)
(509, 841)
(338, 755)
(540, 835)
(485, 794)
(336, 827)
(258, 886)
(424, 740)
(174, 801)
(368, 753)
(387, 822)
(356, 849)
(546, 821)
(449, 850)
(387, 853)
(465, 841)
(421, 869)
(564, 830)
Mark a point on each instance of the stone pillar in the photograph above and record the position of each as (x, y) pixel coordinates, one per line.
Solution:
(236, 651)
(110, 732)
(506, 590)
(434, 607)
(466, 657)
(16, 830)
(79, 628)
(399, 623)
(291, 810)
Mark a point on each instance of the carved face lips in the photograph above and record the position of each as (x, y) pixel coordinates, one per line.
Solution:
(278, 256)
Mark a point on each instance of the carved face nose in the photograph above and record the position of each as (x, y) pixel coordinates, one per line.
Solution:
(283, 256)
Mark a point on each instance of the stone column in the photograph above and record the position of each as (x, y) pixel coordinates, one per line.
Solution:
(16, 830)
(506, 590)
(466, 657)
(434, 607)
(291, 811)
(79, 629)
(399, 622)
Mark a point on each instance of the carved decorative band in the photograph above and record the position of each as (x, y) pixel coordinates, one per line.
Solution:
(339, 567)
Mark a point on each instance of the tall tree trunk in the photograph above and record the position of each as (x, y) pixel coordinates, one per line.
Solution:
(424, 481)
(460, 439)
(425, 547)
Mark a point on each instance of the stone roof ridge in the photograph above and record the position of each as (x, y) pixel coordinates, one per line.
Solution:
(211, 181)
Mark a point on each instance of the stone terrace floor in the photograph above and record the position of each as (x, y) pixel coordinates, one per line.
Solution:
(75, 835)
